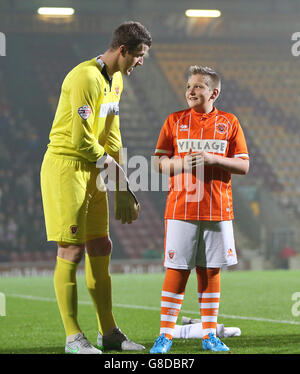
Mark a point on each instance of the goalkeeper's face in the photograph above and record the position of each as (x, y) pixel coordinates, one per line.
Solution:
(130, 60)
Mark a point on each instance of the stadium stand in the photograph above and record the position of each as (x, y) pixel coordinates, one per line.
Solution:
(21, 226)
(251, 89)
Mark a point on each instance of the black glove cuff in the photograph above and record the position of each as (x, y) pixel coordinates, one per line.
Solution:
(133, 195)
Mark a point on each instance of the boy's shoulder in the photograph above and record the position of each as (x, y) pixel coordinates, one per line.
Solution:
(180, 114)
(231, 117)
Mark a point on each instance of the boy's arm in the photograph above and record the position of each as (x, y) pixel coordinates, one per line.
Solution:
(175, 165)
(234, 165)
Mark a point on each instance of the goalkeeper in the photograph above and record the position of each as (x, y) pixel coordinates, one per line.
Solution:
(85, 136)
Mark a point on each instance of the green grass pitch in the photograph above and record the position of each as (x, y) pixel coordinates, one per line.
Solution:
(260, 303)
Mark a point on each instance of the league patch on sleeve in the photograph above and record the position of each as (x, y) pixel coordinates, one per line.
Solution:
(84, 112)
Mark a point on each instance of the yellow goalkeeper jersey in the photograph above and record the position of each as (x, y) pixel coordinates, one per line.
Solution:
(86, 122)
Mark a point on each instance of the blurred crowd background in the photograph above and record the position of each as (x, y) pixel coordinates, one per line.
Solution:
(250, 45)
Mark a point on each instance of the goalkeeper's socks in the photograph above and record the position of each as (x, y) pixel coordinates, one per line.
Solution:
(66, 294)
(171, 299)
(98, 282)
(209, 298)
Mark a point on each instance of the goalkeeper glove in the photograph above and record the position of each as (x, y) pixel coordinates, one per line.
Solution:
(126, 206)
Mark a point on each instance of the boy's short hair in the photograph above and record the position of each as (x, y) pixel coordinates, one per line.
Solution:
(213, 78)
(131, 34)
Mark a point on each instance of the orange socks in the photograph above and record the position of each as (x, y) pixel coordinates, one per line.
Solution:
(171, 299)
(173, 294)
(209, 298)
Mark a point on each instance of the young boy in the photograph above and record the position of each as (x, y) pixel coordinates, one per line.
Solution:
(198, 222)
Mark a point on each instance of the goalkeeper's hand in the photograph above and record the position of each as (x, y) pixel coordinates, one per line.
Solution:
(127, 206)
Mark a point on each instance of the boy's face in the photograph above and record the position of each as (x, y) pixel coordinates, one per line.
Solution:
(131, 60)
(198, 94)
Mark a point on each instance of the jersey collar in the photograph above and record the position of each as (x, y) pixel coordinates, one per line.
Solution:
(206, 115)
(103, 70)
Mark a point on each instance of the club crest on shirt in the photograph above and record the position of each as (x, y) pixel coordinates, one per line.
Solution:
(117, 90)
(221, 128)
(230, 253)
(84, 112)
(171, 254)
(74, 229)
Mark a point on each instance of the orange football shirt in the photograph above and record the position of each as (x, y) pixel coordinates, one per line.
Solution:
(216, 132)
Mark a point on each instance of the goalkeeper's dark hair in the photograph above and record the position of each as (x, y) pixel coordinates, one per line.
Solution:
(131, 34)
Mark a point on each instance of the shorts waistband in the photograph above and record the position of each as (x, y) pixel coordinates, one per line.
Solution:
(67, 157)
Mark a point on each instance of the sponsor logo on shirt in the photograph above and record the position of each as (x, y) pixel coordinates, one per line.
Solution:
(198, 145)
(109, 109)
(84, 112)
(184, 127)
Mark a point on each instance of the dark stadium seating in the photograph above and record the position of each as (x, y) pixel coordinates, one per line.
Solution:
(250, 89)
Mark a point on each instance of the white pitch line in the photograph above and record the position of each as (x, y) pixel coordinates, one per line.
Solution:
(129, 306)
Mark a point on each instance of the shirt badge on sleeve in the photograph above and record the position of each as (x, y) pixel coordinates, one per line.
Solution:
(84, 112)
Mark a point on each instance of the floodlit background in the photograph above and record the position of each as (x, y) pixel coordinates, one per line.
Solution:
(253, 44)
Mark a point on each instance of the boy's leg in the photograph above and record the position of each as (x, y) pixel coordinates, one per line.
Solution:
(171, 299)
(179, 259)
(208, 297)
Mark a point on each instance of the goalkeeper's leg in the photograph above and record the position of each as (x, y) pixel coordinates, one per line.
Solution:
(68, 258)
(65, 285)
(98, 282)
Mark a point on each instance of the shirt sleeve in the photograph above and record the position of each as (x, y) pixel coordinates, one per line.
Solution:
(238, 145)
(113, 143)
(83, 98)
(164, 146)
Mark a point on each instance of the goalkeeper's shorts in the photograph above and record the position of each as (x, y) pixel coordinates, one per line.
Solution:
(75, 209)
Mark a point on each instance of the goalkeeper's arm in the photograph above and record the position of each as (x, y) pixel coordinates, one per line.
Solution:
(126, 204)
